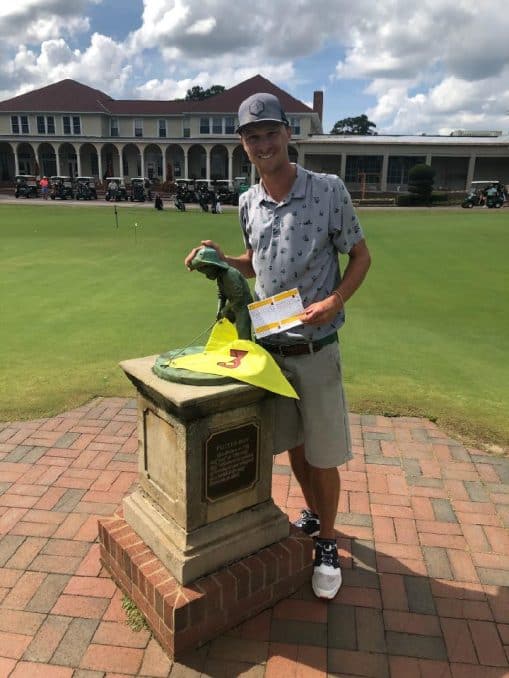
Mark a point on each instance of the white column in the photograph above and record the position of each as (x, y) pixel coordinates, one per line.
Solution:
(57, 157)
(120, 148)
(163, 149)
(342, 166)
(98, 148)
(207, 163)
(35, 148)
(253, 174)
(428, 159)
(78, 158)
(230, 165)
(14, 147)
(142, 153)
(471, 170)
(186, 163)
(385, 169)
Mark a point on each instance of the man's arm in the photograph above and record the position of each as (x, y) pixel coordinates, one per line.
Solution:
(358, 264)
(242, 263)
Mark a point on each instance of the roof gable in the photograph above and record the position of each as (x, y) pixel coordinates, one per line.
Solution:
(64, 96)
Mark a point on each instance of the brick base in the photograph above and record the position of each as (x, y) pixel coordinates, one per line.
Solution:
(185, 617)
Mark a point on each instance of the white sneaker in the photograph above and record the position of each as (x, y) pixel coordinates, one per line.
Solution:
(327, 579)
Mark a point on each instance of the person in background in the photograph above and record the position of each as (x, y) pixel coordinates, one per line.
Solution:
(44, 185)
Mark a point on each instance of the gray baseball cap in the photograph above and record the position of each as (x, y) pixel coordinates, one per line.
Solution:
(261, 107)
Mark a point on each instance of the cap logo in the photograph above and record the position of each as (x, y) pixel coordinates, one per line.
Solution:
(257, 107)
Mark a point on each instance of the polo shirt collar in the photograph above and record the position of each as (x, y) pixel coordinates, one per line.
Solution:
(298, 189)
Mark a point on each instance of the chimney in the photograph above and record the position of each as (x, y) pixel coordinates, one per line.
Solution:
(318, 103)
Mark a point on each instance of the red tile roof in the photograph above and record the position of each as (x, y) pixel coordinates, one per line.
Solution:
(71, 96)
(64, 96)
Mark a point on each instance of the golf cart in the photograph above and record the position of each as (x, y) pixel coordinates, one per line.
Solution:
(225, 193)
(26, 186)
(140, 189)
(489, 193)
(86, 188)
(185, 190)
(61, 188)
(115, 189)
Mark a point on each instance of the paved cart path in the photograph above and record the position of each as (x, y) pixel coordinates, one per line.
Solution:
(424, 544)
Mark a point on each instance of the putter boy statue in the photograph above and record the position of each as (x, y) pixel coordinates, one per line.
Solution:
(233, 291)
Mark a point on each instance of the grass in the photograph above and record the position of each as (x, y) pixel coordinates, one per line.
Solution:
(426, 335)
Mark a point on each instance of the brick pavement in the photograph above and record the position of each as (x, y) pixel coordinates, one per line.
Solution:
(422, 530)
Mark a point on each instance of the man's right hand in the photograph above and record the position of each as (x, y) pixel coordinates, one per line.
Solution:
(195, 250)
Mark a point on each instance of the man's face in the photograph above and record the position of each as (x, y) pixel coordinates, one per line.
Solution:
(266, 144)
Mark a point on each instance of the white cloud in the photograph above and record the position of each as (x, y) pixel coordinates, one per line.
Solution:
(442, 64)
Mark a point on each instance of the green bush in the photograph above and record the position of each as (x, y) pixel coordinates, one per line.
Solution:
(420, 182)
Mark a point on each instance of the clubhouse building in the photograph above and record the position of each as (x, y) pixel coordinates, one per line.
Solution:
(70, 129)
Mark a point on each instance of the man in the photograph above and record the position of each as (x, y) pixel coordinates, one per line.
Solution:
(295, 223)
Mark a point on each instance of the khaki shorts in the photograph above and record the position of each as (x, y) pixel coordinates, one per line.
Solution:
(319, 420)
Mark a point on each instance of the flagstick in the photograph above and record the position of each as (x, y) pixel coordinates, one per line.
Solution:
(116, 215)
(191, 343)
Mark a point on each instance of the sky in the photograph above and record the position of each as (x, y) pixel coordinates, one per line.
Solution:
(429, 67)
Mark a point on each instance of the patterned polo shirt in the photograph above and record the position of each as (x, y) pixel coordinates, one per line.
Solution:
(296, 242)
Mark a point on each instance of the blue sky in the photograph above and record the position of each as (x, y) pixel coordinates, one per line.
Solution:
(429, 68)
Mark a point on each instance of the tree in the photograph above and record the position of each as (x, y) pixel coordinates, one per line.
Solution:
(197, 93)
(420, 182)
(358, 125)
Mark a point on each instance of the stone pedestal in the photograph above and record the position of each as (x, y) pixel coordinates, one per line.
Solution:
(200, 546)
(205, 464)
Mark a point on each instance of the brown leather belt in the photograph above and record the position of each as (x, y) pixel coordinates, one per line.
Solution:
(299, 349)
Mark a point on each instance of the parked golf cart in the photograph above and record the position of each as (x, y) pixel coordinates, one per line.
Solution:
(224, 192)
(61, 188)
(115, 189)
(26, 186)
(140, 189)
(86, 188)
(185, 190)
(489, 192)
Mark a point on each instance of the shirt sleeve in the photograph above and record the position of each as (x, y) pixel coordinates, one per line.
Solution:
(344, 227)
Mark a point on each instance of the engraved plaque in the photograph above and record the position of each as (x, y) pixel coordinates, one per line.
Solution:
(231, 461)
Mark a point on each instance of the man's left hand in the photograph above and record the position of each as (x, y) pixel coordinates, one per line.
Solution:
(321, 312)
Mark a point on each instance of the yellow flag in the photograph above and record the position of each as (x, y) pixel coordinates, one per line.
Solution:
(227, 355)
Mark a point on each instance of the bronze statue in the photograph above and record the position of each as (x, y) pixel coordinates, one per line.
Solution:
(233, 291)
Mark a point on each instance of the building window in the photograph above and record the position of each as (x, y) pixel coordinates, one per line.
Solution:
(114, 127)
(217, 125)
(162, 128)
(399, 166)
(45, 124)
(186, 127)
(229, 124)
(363, 167)
(19, 124)
(138, 128)
(75, 121)
(295, 125)
(204, 125)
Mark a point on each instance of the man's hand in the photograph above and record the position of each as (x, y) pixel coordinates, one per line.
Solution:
(195, 250)
(322, 312)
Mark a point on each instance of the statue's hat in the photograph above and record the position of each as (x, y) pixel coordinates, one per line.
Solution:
(208, 255)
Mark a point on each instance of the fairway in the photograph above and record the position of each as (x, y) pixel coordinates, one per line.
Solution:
(426, 335)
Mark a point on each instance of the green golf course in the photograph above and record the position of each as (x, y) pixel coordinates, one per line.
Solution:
(426, 335)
